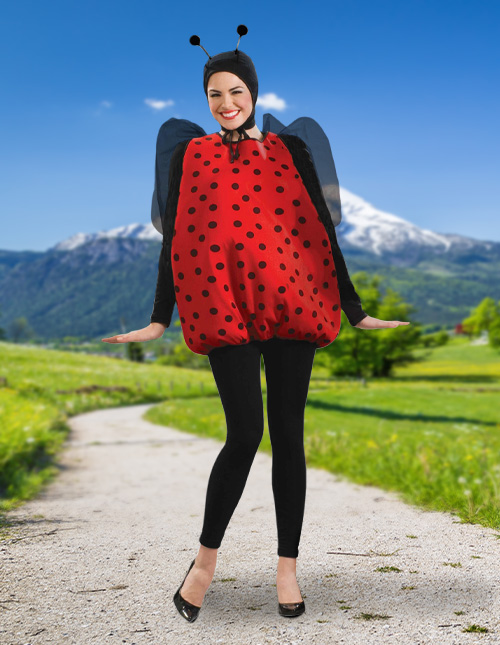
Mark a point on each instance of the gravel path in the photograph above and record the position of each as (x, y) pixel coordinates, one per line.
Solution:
(97, 557)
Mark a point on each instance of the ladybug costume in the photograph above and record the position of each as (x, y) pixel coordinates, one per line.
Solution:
(250, 251)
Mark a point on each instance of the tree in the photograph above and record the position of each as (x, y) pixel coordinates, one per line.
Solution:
(485, 317)
(494, 333)
(364, 353)
(135, 352)
(19, 330)
(2, 330)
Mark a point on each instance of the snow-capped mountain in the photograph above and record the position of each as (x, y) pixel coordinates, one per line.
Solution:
(93, 282)
(132, 231)
(363, 227)
(366, 227)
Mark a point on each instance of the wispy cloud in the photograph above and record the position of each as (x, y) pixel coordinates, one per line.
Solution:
(103, 105)
(156, 104)
(271, 101)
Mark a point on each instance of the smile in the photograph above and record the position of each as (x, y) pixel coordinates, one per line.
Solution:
(230, 115)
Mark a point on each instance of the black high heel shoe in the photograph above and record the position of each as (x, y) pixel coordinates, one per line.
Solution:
(186, 609)
(291, 609)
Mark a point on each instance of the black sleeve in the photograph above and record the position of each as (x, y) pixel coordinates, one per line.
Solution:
(350, 301)
(165, 293)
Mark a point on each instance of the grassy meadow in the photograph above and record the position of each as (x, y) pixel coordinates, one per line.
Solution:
(430, 433)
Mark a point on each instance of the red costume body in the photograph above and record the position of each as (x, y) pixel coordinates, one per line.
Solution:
(251, 259)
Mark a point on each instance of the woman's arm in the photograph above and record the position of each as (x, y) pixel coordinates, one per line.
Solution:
(349, 299)
(165, 293)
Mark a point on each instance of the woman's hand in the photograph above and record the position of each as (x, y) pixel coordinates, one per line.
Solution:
(375, 323)
(151, 332)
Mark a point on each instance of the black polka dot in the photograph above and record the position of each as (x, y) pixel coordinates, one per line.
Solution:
(236, 207)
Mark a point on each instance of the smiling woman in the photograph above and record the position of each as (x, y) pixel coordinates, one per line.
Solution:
(251, 258)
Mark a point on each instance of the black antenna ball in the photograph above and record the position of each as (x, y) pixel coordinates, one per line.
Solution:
(242, 30)
(194, 40)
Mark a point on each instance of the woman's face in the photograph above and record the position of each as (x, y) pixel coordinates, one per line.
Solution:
(227, 94)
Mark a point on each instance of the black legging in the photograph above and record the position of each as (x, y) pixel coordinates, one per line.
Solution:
(236, 368)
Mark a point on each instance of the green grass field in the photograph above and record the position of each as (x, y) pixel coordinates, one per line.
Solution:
(431, 433)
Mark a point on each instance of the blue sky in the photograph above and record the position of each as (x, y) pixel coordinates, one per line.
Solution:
(407, 92)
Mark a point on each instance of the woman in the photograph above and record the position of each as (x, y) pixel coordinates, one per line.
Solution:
(251, 258)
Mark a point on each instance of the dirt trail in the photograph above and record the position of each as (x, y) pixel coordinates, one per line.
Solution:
(105, 546)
